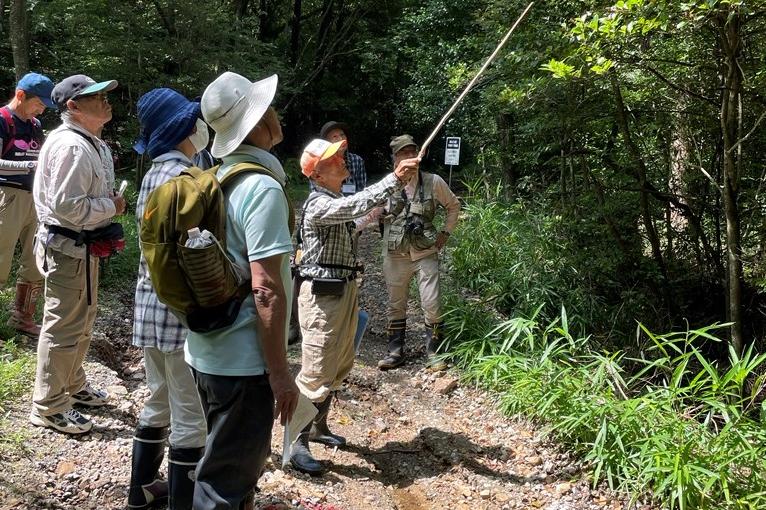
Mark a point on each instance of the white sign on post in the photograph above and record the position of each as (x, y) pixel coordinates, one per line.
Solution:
(452, 152)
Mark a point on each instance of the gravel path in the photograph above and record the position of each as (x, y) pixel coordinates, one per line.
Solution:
(417, 440)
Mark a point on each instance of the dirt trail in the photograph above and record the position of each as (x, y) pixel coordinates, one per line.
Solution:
(416, 440)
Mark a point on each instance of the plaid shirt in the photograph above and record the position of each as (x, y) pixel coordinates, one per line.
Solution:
(153, 324)
(327, 227)
(358, 175)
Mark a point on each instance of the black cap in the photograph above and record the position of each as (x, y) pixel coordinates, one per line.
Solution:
(77, 86)
(329, 126)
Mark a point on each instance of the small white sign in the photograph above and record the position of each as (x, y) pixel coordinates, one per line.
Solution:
(452, 151)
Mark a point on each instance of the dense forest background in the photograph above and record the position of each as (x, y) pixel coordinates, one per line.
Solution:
(608, 275)
(617, 145)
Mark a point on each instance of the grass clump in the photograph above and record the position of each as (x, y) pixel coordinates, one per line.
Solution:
(17, 368)
(16, 372)
(681, 428)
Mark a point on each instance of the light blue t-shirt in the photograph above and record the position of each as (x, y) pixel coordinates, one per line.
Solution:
(256, 228)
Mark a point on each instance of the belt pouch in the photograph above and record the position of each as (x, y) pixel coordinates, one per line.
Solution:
(328, 286)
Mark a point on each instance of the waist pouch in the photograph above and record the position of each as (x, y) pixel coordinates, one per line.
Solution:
(23, 182)
(102, 243)
(328, 286)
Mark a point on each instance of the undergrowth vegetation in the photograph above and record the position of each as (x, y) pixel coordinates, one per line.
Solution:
(656, 416)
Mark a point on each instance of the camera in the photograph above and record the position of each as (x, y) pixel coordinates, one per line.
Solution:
(414, 226)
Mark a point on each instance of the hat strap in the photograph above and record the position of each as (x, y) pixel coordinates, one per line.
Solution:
(241, 98)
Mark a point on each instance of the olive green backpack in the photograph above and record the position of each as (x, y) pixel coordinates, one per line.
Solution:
(201, 286)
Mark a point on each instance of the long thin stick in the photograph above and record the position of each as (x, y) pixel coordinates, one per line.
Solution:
(471, 84)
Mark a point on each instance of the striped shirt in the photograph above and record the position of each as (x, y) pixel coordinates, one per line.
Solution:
(153, 324)
(327, 228)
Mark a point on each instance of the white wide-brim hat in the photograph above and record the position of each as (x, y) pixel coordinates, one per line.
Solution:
(233, 105)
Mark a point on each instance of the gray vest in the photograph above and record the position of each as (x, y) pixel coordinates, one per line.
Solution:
(406, 216)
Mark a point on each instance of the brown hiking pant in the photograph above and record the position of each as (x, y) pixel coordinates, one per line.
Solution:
(66, 331)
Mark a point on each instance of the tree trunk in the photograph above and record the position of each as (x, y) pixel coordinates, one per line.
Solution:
(295, 33)
(240, 8)
(19, 36)
(729, 28)
(640, 166)
(167, 17)
(503, 121)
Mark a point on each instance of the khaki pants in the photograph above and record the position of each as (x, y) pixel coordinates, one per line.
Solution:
(66, 331)
(328, 324)
(398, 271)
(174, 399)
(18, 223)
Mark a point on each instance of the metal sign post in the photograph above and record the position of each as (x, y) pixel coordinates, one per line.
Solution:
(452, 154)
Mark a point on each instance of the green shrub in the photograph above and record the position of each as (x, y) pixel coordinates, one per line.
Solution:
(16, 372)
(523, 257)
(680, 428)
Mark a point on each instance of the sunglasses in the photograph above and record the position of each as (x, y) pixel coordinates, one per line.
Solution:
(102, 96)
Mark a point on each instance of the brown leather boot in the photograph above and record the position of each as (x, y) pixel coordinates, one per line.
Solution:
(22, 318)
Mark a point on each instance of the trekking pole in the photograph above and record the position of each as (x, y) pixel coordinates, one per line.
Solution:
(472, 83)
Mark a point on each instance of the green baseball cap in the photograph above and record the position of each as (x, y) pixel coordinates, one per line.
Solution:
(400, 142)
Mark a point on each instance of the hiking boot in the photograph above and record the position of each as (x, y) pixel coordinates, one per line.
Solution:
(320, 433)
(300, 456)
(90, 396)
(69, 422)
(434, 340)
(395, 355)
(146, 488)
(22, 318)
(181, 476)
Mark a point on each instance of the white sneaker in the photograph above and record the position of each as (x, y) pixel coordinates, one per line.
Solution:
(89, 396)
(69, 422)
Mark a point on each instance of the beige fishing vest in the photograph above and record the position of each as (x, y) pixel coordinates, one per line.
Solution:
(401, 210)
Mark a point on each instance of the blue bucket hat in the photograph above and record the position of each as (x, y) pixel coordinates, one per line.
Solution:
(37, 85)
(166, 118)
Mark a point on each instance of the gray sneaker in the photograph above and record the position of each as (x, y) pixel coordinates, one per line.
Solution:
(91, 397)
(69, 422)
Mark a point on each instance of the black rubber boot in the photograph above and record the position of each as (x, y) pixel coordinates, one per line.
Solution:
(396, 336)
(301, 457)
(181, 466)
(146, 488)
(320, 433)
(434, 339)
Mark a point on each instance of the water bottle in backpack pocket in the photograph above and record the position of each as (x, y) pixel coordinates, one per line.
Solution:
(207, 267)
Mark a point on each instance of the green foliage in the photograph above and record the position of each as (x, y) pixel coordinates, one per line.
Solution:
(681, 428)
(16, 373)
(519, 255)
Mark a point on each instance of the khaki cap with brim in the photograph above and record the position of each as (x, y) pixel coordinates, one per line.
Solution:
(400, 142)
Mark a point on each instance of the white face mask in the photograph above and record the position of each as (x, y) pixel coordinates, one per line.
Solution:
(200, 139)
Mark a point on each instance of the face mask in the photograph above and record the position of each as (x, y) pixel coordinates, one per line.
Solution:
(200, 139)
